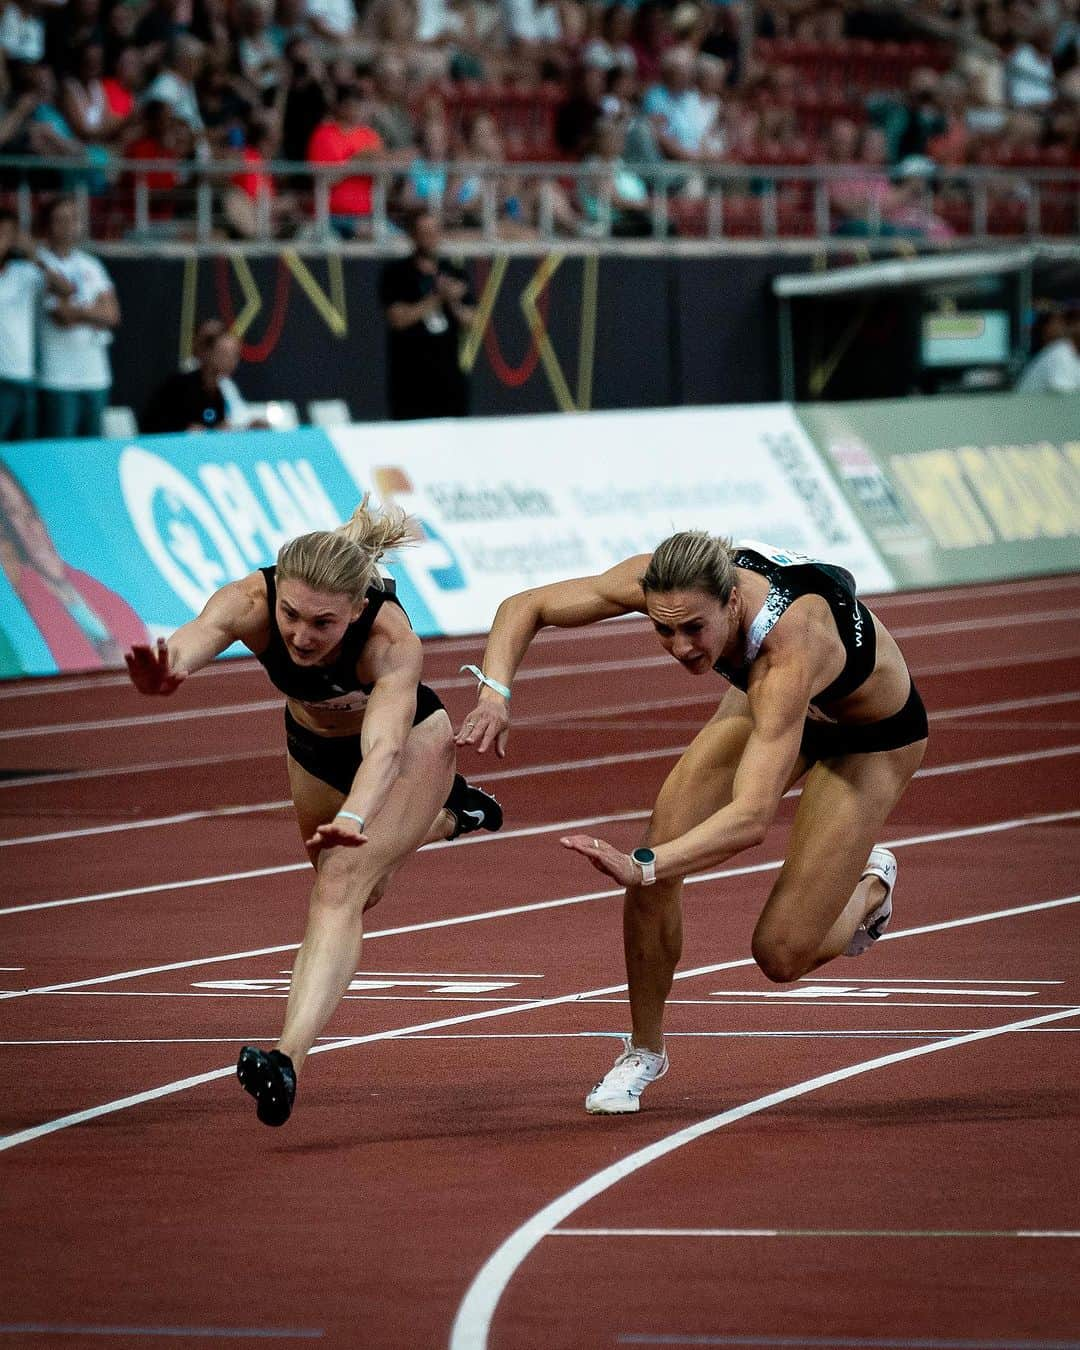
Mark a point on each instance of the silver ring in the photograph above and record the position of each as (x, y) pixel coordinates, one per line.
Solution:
(596, 843)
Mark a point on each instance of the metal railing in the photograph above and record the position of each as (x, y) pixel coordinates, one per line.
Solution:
(549, 202)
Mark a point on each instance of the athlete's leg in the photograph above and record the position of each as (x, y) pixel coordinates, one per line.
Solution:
(819, 900)
(350, 878)
(699, 784)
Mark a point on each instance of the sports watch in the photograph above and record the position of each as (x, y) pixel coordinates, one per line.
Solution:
(646, 860)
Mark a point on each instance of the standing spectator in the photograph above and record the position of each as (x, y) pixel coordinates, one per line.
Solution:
(343, 138)
(307, 98)
(21, 286)
(195, 400)
(1056, 368)
(75, 376)
(83, 100)
(428, 304)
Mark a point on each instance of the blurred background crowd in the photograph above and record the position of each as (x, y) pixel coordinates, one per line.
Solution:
(458, 96)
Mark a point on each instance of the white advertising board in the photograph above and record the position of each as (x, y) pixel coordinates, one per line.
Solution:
(505, 504)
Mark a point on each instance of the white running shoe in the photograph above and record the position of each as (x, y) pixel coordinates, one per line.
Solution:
(881, 863)
(620, 1089)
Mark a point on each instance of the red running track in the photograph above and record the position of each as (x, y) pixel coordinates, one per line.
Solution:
(884, 1155)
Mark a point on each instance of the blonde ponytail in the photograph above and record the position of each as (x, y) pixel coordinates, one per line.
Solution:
(345, 561)
(692, 561)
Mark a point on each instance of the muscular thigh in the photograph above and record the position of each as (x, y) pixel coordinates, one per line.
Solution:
(844, 804)
(701, 782)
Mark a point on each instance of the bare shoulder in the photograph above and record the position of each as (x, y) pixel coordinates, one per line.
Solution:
(393, 645)
(621, 584)
(240, 606)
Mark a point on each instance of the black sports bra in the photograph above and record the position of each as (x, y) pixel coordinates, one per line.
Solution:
(321, 684)
(791, 575)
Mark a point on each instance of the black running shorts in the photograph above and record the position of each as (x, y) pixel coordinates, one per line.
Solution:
(335, 759)
(828, 740)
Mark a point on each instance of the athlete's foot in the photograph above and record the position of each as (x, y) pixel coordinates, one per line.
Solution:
(472, 809)
(620, 1089)
(271, 1080)
(880, 864)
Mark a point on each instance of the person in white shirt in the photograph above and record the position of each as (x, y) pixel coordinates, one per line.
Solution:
(74, 373)
(1056, 368)
(23, 281)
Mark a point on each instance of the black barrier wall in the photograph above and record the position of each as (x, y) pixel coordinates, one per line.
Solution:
(554, 332)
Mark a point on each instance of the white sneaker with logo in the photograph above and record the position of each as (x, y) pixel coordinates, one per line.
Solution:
(881, 863)
(620, 1089)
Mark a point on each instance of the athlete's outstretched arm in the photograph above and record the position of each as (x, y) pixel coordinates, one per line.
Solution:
(388, 718)
(563, 604)
(779, 694)
(231, 614)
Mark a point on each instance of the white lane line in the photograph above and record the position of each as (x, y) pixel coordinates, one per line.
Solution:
(885, 1034)
(575, 670)
(746, 870)
(571, 766)
(818, 1232)
(398, 1033)
(473, 1320)
(616, 626)
(159, 766)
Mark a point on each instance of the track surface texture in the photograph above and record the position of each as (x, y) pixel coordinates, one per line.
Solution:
(882, 1155)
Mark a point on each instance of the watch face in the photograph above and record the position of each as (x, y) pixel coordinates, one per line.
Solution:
(643, 855)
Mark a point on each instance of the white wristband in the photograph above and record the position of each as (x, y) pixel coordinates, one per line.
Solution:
(351, 815)
(486, 679)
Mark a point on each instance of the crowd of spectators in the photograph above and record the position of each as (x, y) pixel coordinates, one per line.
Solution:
(444, 91)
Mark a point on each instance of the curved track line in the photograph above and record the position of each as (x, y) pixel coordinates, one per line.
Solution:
(473, 1320)
(397, 1033)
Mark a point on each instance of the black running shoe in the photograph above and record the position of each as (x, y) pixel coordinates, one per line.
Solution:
(472, 808)
(271, 1080)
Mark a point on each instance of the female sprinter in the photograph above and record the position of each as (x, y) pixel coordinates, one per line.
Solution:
(370, 750)
(818, 688)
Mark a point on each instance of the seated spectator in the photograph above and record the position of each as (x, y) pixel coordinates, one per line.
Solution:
(69, 27)
(912, 120)
(576, 117)
(1055, 369)
(427, 180)
(254, 207)
(1030, 80)
(194, 400)
(952, 143)
(15, 117)
(159, 27)
(74, 375)
(332, 20)
(123, 85)
(84, 102)
(175, 84)
(612, 47)
(651, 38)
(258, 54)
(308, 97)
(22, 33)
(613, 196)
(860, 202)
(157, 139)
(684, 122)
(389, 111)
(911, 212)
(346, 138)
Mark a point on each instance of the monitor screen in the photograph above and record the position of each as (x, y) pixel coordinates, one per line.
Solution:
(975, 339)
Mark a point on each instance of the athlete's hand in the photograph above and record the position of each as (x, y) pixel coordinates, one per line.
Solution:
(605, 858)
(151, 669)
(341, 830)
(488, 724)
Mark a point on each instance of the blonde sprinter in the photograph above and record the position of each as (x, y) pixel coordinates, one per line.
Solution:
(818, 688)
(370, 750)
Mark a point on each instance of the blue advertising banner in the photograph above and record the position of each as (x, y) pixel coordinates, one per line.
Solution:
(105, 543)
